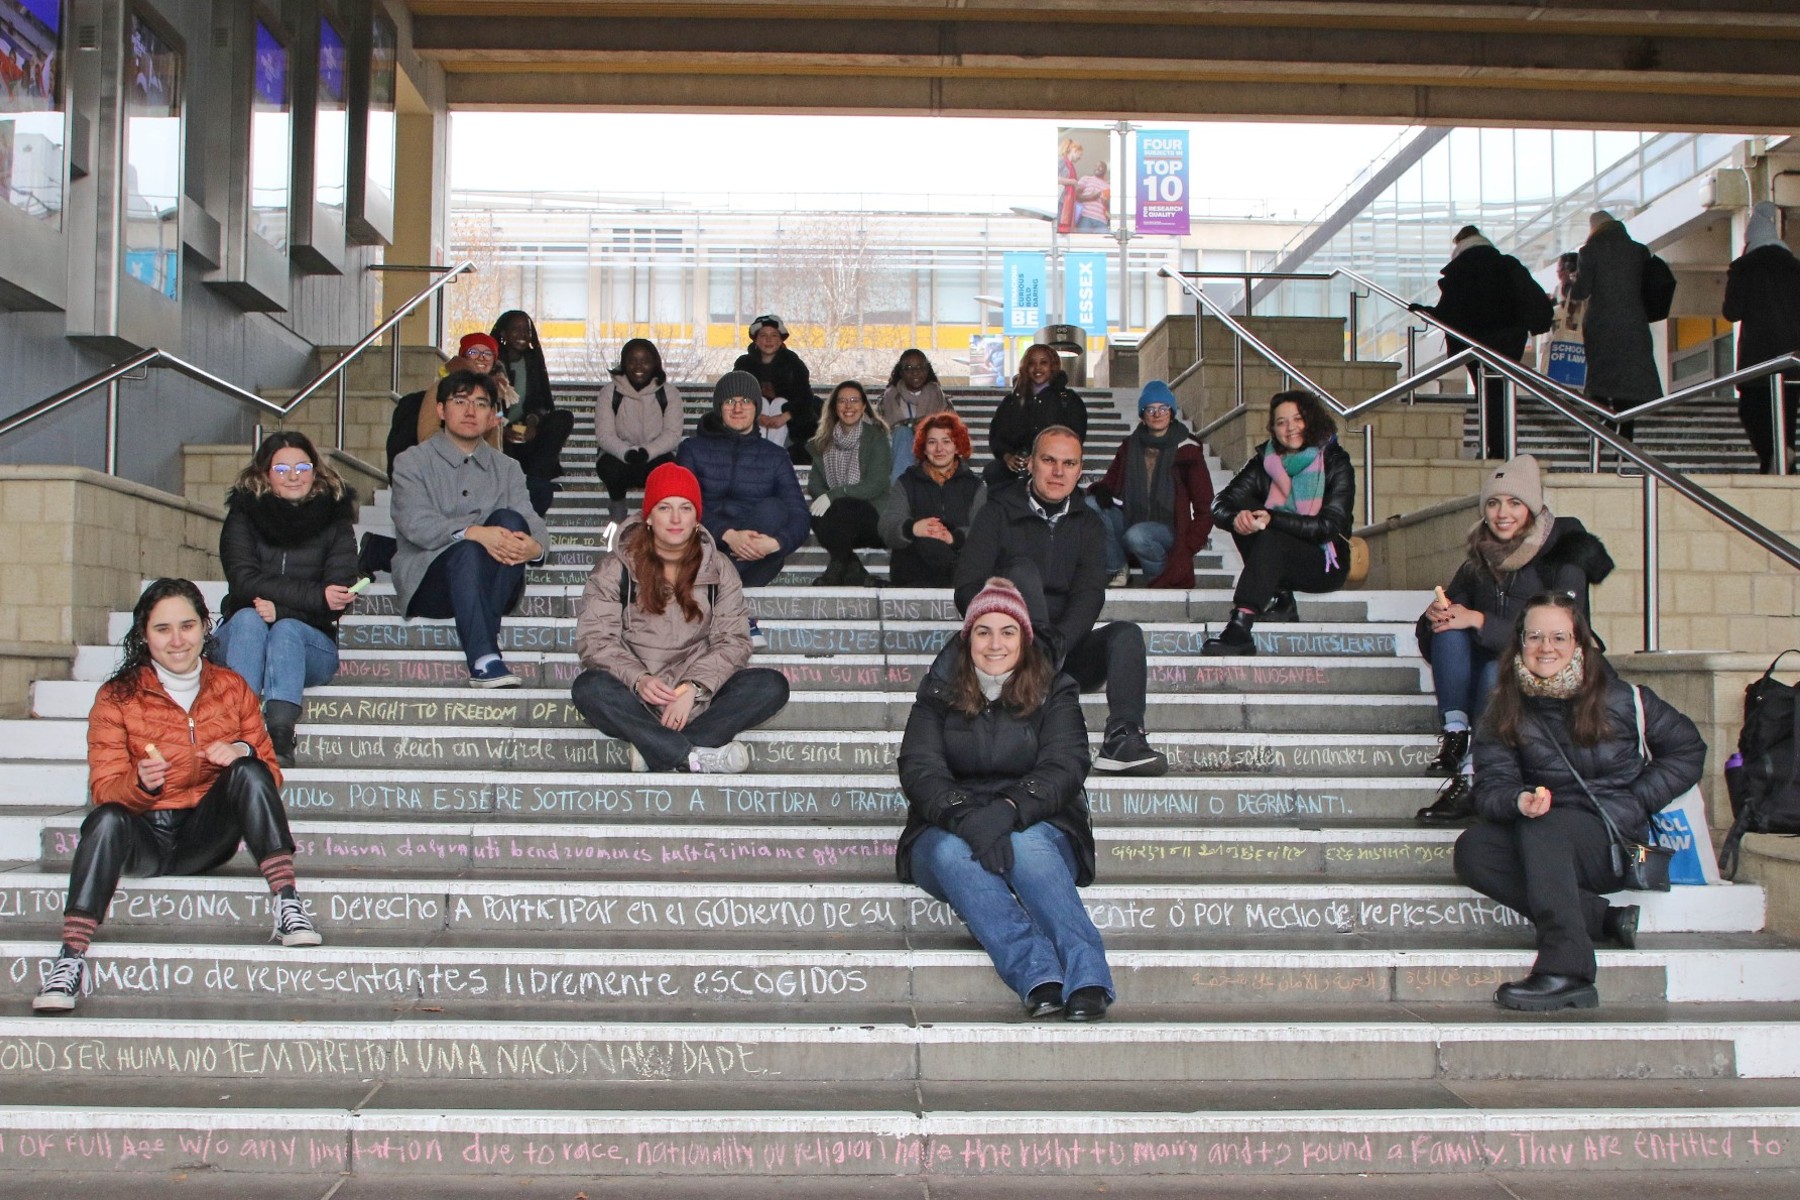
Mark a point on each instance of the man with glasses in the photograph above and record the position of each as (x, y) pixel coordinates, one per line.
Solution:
(465, 527)
(1156, 497)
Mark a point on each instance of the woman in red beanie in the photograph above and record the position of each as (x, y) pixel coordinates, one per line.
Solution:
(663, 638)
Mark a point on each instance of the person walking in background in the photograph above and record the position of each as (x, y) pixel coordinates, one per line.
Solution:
(926, 517)
(1762, 294)
(465, 527)
(1518, 549)
(637, 422)
(180, 773)
(788, 411)
(535, 429)
(992, 764)
(1621, 355)
(913, 393)
(753, 505)
(851, 458)
(1288, 510)
(1156, 497)
(663, 637)
(289, 554)
(1040, 397)
(1490, 298)
(1562, 737)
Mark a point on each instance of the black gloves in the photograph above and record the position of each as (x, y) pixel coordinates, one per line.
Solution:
(637, 457)
(988, 830)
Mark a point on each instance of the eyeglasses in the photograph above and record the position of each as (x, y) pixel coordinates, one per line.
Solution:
(1559, 640)
(471, 400)
(300, 470)
(478, 352)
(731, 400)
(1158, 410)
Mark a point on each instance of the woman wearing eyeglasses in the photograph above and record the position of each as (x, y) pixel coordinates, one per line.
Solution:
(1518, 549)
(1562, 734)
(290, 559)
(1156, 497)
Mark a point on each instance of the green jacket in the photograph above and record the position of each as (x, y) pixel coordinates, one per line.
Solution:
(875, 451)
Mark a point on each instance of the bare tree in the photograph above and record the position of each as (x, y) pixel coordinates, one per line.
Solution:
(836, 285)
(473, 301)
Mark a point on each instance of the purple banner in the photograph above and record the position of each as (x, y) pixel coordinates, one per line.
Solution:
(1162, 179)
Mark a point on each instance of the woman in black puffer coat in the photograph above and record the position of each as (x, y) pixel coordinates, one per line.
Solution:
(992, 765)
(290, 559)
(1040, 398)
(1517, 549)
(1562, 734)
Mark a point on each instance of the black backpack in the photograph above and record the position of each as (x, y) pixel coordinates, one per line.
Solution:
(1531, 307)
(1765, 789)
(1658, 289)
(662, 398)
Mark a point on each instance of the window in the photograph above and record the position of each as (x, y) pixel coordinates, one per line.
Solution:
(31, 118)
(153, 161)
(331, 133)
(271, 140)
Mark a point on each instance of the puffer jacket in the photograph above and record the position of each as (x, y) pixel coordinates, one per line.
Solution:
(737, 471)
(286, 552)
(1630, 788)
(623, 639)
(226, 710)
(915, 496)
(1248, 491)
(874, 454)
(792, 381)
(1070, 556)
(642, 420)
(1018, 420)
(1571, 561)
(950, 761)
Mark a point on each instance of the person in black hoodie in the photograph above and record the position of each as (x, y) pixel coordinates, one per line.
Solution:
(535, 428)
(1563, 739)
(290, 558)
(1762, 294)
(1288, 510)
(926, 517)
(1518, 549)
(1041, 534)
(1040, 398)
(992, 766)
(790, 413)
(1490, 298)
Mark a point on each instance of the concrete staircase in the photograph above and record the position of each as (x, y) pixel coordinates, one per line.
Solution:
(1699, 437)
(545, 975)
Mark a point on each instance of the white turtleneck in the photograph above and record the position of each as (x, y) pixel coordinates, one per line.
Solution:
(182, 689)
(991, 685)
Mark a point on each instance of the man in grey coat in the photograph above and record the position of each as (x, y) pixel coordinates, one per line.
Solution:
(1621, 357)
(465, 527)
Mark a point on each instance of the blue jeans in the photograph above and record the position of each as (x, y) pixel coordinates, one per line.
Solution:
(1463, 673)
(1148, 541)
(903, 444)
(469, 584)
(1031, 920)
(278, 661)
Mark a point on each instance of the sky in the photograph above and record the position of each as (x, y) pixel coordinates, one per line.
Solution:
(987, 162)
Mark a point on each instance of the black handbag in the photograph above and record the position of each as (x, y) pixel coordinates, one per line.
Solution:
(1643, 868)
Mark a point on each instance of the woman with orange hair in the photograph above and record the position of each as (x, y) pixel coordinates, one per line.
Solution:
(928, 509)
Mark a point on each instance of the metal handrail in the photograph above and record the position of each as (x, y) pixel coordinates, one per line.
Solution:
(1559, 400)
(145, 359)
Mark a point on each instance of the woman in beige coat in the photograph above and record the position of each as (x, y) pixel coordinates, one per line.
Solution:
(663, 638)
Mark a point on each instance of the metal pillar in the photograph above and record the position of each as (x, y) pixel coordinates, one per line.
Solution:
(112, 428)
(1652, 566)
(1368, 474)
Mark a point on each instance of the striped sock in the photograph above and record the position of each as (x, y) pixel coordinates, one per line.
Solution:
(278, 869)
(78, 933)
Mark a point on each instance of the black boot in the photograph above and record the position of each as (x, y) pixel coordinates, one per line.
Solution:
(1453, 747)
(1281, 610)
(1234, 639)
(857, 575)
(1455, 803)
(1538, 992)
(281, 717)
(833, 574)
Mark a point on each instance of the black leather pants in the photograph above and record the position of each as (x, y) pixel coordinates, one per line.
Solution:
(243, 805)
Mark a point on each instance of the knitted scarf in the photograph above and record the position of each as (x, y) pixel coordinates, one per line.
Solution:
(1561, 686)
(1504, 558)
(1296, 481)
(843, 457)
(1150, 494)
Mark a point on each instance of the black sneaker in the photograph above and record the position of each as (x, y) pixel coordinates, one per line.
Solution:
(62, 987)
(1126, 751)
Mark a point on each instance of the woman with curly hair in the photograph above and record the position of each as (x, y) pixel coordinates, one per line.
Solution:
(925, 518)
(290, 560)
(180, 771)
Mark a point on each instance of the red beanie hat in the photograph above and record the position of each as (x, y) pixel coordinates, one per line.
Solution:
(671, 480)
(478, 339)
(999, 596)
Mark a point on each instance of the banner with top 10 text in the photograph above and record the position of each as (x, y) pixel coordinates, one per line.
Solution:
(1162, 177)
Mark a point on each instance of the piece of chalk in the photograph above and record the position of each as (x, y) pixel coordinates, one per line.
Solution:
(1542, 793)
(357, 587)
(1442, 599)
(151, 750)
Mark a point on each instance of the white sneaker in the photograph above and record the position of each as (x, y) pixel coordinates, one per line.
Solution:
(292, 926)
(637, 761)
(1122, 578)
(61, 987)
(733, 758)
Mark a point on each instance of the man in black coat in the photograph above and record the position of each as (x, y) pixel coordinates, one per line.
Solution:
(1762, 294)
(1040, 534)
(1490, 298)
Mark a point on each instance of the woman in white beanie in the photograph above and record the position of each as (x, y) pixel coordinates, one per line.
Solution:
(1517, 550)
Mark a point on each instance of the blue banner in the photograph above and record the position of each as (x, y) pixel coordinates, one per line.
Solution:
(1025, 291)
(1084, 292)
